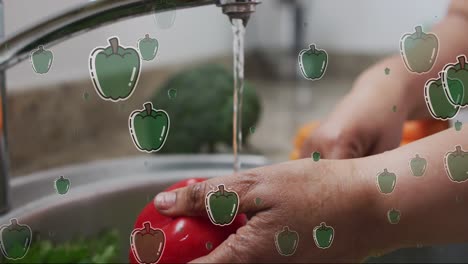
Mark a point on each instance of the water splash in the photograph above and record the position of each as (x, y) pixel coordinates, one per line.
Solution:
(238, 30)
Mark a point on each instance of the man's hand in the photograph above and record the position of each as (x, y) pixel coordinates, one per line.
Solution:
(300, 195)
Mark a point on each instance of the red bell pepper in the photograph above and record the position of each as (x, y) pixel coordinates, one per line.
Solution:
(187, 238)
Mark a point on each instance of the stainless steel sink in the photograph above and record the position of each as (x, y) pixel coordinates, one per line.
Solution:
(106, 194)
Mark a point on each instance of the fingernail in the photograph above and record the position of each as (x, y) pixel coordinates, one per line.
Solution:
(165, 200)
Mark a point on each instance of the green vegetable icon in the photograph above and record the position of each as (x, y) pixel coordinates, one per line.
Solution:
(418, 166)
(437, 102)
(286, 241)
(387, 71)
(149, 128)
(62, 185)
(41, 60)
(222, 206)
(172, 93)
(458, 125)
(393, 216)
(316, 156)
(258, 201)
(419, 50)
(386, 181)
(15, 240)
(323, 236)
(457, 94)
(313, 62)
(114, 70)
(148, 47)
(456, 165)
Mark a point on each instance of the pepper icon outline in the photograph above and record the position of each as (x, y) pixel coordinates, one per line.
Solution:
(280, 248)
(323, 228)
(148, 228)
(14, 223)
(40, 51)
(436, 83)
(312, 50)
(408, 57)
(115, 45)
(448, 164)
(221, 191)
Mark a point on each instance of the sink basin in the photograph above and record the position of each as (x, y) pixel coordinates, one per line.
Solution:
(110, 194)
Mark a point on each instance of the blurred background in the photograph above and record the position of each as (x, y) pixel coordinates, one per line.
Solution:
(57, 118)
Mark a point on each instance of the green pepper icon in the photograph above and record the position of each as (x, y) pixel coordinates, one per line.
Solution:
(313, 62)
(316, 156)
(457, 94)
(172, 93)
(418, 166)
(62, 185)
(456, 165)
(419, 50)
(458, 125)
(386, 181)
(286, 241)
(323, 236)
(114, 70)
(15, 240)
(222, 206)
(149, 128)
(148, 47)
(41, 60)
(393, 216)
(437, 102)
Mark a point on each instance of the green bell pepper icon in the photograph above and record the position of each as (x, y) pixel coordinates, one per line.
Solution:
(41, 60)
(316, 156)
(323, 236)
(221, 206)
(437, 102)
(458, 125)
(456, 165)
(148, 47)
(286, 241)
(419, 50)
(149, 128)
(393, 216)
(313, 62)
(114, 70)
(418, 166)
(457, 94)
(62, 185)
(15, 240)
(386, 181)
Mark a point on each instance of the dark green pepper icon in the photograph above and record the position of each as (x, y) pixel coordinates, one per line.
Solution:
(437, 102)
(149, 128)
(393, 216)
(456, 165)
(419, 50)
(172, 93)
(222, 206)
(41, 60)
(114, 70)
(15, 240)
(316, 156)
(286, 241)
(323, 236)
(313, 62)
(418, 166)
(387, 71)
(62, 185)
(258, 201)
(457, 94)
(386, 181)
(458, 125)
(148, 47)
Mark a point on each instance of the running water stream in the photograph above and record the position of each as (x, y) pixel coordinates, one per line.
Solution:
(238, 30)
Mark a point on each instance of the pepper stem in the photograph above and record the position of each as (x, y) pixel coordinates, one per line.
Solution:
(148, 107)
(417, 155)
(312, 48)
(418, 31)
(14, 221)
(461, 60)
(322, 225)
(147, 36)
(458, 150)
(114, 42)
(61, 178)
(147, 227)
(40, 47)
(221, 189)
(286, 228)
(385, 170)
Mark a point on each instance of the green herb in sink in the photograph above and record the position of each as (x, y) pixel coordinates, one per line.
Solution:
(103, 248)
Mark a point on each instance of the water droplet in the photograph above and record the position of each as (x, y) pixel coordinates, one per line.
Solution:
(209, 245)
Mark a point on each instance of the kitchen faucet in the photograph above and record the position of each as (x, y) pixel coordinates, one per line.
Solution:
(75, 21)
